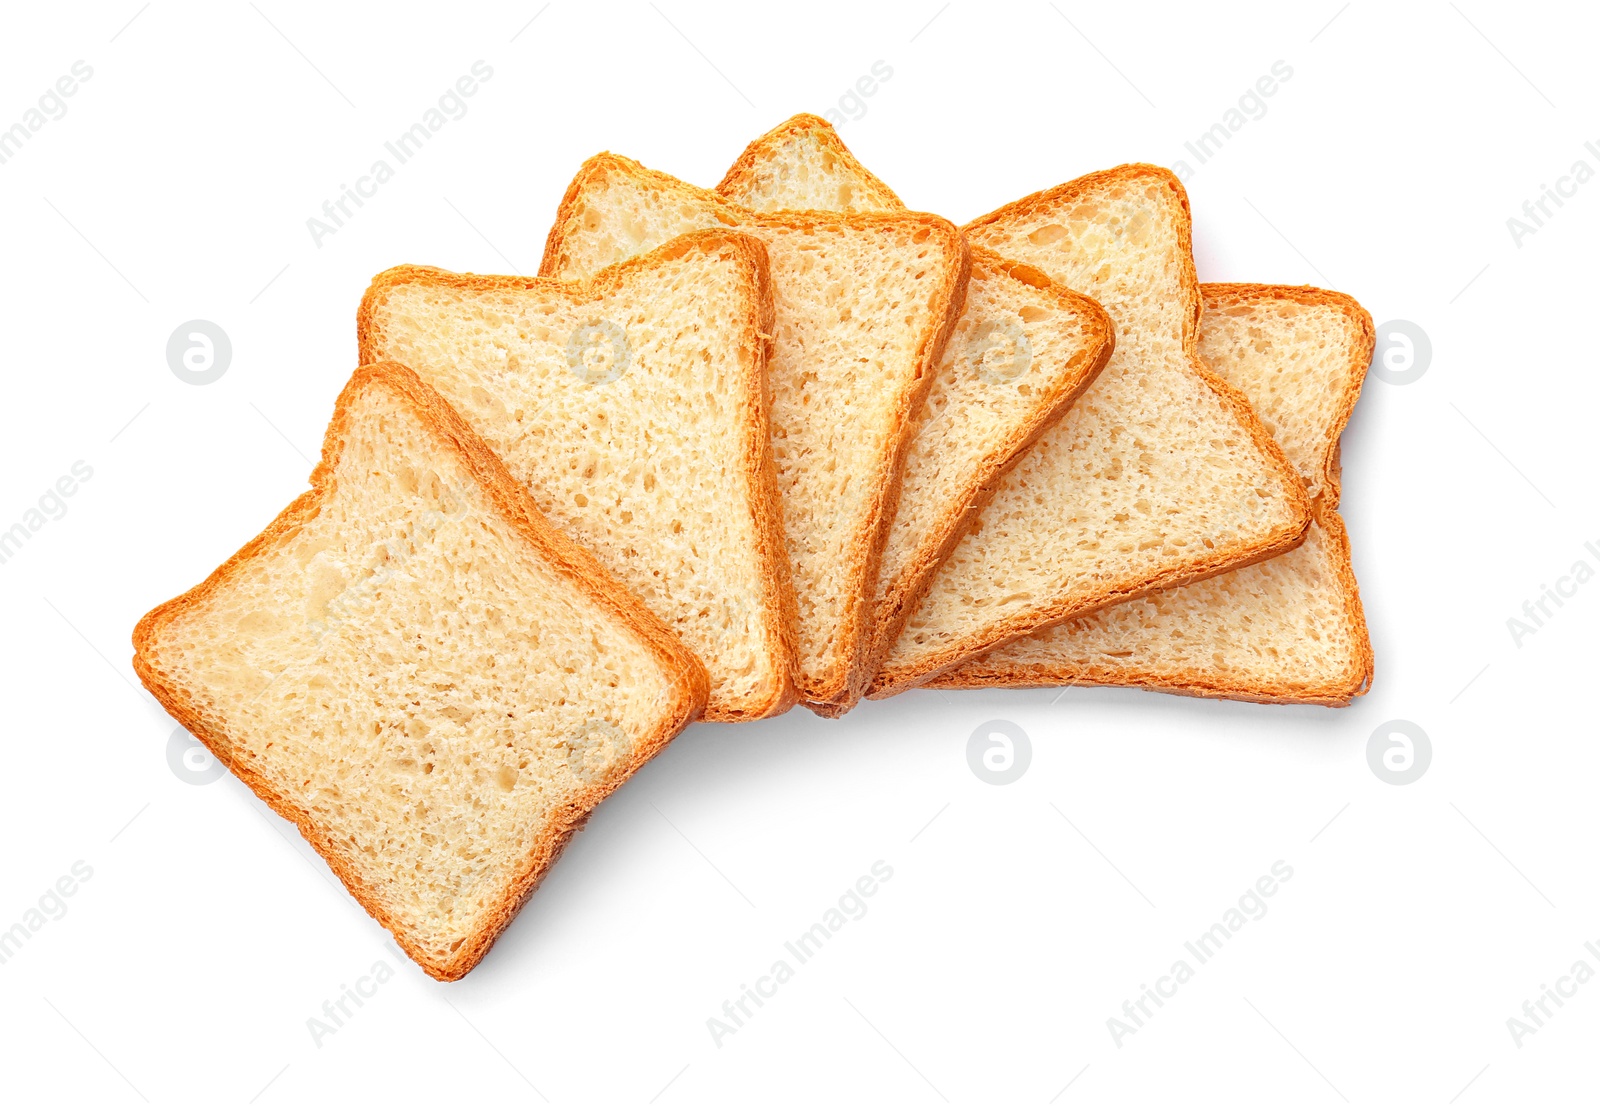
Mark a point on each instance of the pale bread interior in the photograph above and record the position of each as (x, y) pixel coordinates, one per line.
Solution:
(857, 308)
(651, 470)
(402, 669)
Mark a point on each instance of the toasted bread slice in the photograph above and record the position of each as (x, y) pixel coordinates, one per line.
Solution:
(419, 671)
(1161, 474)
(863, 307)
(657, 456)
(1287, 630)
(1023, 351)
(801, 164)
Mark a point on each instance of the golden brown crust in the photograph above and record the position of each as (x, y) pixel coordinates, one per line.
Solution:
(777, 581)
(1333, 689)
(905, 592)
(1281, 539)
(689, 682)
(741, 175)
(843, 682)
(1219, 297)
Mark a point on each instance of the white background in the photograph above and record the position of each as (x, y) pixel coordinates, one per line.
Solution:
(1019, 918)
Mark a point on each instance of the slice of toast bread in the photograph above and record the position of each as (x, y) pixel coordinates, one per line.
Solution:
(1159, 475)
(1022, 352)
(432, 682)
(633, 407)
(1287, 630)
(864, 304)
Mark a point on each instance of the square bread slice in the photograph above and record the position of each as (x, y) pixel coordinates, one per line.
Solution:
(864, 304)
(420, 672)
(1288, 630)
(1023, 350)
(633, 407)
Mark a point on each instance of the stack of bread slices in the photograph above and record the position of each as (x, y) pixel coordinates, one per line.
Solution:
(782, 441)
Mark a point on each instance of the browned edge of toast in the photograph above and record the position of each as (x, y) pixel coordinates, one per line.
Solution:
(689, 680)
(740, 173)
(843, 682)
(777, 594)
(891, 681)
(904, 593)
